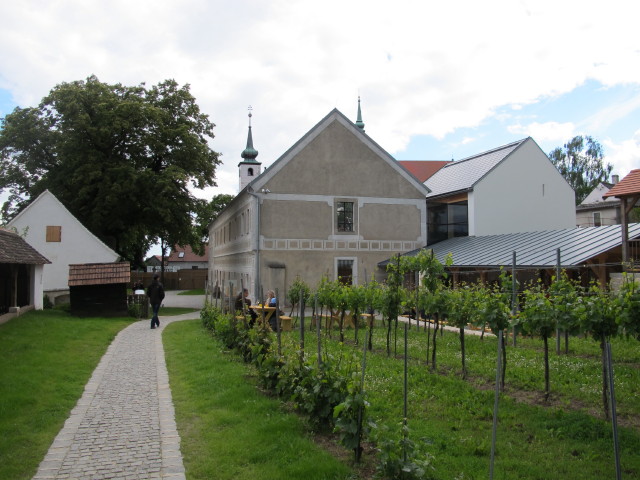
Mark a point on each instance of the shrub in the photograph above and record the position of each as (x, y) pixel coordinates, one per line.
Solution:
(46, 302)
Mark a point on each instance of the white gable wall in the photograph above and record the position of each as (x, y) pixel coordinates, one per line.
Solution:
(524, 193)
(77, 245)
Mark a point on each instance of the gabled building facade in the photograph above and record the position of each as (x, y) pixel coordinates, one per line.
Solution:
(513, 188)
(184, 258)
(335, 204)
(54, 232)
(596, 211)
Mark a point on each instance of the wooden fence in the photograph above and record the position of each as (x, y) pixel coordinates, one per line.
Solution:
(180, 280)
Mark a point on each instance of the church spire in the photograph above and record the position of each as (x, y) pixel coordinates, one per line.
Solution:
(249, 167)
(359, 122)
(249, 154)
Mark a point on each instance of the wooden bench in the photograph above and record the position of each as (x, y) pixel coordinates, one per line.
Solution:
(285, 323)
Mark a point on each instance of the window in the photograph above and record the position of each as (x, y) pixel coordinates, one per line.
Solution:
(345, 216)
(54, 233)
(345, 271)
(180, 254)
(446, 220)
(250, 172)
(597, 221)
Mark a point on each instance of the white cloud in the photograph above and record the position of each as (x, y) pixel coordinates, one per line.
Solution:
(624, 156)
(421, 67)
(545, 132)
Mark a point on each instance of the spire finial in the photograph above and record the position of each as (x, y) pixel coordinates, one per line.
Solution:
(359, 122)
(249, 154)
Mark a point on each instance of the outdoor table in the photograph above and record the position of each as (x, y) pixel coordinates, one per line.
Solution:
(263, 310)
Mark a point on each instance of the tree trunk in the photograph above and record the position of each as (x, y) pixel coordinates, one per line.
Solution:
(371, 321)
(356, 320)
(436, 325)
(427, 324)
(605, 387)
(388, 336)
(464, 365)
(504, 362)
(547, 391)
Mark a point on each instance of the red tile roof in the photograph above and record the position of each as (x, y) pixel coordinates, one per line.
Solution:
(14, 249)
(629, 185)
(99, 273)
(188, 255)
(423, 169)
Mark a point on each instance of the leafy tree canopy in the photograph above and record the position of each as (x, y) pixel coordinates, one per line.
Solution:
(207, 212)
(581, 162)
(121, 159)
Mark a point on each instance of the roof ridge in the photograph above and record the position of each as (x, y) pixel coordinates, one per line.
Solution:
(493, 150)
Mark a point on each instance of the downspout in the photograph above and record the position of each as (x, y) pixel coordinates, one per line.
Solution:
(257, 244)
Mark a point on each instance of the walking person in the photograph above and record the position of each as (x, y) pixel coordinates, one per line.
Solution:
(155, 292)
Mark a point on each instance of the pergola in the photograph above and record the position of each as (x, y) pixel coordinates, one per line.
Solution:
(628, 192)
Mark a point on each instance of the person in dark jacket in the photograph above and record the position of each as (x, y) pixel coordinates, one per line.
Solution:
(243, 297)
(155, 292)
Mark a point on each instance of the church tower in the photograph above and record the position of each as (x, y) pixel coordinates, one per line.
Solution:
(249, 168)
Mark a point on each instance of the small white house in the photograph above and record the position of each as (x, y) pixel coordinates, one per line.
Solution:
(510, 189)
(54, 232)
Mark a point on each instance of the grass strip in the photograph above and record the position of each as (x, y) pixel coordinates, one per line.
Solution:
(46, 359)
(228, 428)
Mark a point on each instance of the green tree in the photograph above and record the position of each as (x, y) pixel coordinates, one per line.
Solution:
(537, 318)
(207, 211)
(121, 159)
(581, 162)
(460, 307)
(599, 315)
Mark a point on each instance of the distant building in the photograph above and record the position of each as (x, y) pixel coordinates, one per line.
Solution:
(184, 258)
(596, 210)
(53, 231)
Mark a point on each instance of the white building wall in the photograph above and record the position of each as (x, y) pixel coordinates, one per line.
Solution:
(524, 193)
(77, 245)
(37, 287)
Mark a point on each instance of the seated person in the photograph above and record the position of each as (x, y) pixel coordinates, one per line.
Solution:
(244, 296)
(271, 302)
(271, 299)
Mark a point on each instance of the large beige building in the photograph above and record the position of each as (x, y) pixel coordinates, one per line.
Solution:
(335, 204)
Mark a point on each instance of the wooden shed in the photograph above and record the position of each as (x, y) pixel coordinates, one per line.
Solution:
(99, 289)
(20, 274)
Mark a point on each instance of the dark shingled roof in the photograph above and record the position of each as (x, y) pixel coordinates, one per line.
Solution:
(14, 249)
(99, 273)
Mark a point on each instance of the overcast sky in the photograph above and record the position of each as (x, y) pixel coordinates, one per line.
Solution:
(438, 80)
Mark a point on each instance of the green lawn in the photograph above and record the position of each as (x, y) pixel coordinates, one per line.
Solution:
(228, 428)
(197, 291)
(46, 358)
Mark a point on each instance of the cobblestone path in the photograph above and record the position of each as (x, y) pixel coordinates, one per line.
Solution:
(123, 427)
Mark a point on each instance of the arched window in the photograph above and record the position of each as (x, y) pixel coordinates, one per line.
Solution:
(250, 172)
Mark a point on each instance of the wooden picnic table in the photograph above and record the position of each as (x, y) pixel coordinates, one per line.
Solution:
(263, 311)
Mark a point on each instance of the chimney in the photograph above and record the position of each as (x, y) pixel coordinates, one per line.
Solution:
(615, 179)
